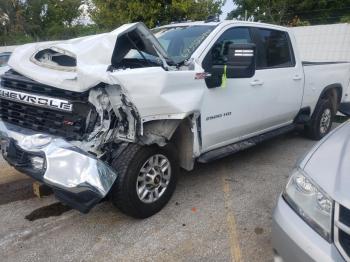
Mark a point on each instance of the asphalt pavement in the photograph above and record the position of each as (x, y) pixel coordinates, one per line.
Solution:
(220, 212)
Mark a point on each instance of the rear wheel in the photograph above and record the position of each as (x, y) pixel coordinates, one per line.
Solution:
(321, 120)
(146, 179)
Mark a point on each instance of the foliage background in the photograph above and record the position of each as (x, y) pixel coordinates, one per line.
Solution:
(293, 12)
(23, 21)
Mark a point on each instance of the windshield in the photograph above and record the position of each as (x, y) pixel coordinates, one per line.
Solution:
(179, 42)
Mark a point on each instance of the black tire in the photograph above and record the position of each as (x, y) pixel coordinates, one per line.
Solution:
(313, 128)
(128, 165)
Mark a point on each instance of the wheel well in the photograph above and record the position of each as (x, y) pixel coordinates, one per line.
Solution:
(159, 131)
(183, 139)
(175, 131)
(334, 93)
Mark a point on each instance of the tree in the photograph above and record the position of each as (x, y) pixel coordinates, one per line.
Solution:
(36, 20)
(110, 14)
(39, 20)
(345, 19)
(51, 18)
(272, 11)
(12, 22)
(288, 11)
(194, 10)
(12, 16)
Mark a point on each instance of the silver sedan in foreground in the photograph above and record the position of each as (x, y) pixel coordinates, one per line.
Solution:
(311, 221)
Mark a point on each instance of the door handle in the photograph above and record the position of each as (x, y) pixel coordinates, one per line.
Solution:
(256, 83)
(297, 77)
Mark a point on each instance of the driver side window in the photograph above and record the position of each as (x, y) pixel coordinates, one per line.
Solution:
(220, 51)
(232, 55)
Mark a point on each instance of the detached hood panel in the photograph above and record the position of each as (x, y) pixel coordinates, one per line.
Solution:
(92, 56)
(329, 165)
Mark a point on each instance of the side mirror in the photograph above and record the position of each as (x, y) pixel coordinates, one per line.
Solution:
(234, 61)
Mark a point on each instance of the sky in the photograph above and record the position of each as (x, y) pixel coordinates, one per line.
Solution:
(228, 7)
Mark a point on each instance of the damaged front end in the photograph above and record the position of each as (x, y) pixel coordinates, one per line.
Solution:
(68, 109)
(70, 147)
(63, 118)
(78, 179)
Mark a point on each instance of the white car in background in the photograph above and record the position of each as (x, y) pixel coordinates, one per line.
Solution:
(4, 58)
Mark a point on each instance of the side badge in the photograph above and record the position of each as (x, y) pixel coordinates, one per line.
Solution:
(203, 75)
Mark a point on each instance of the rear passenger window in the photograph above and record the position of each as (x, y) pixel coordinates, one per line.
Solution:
(275, 49)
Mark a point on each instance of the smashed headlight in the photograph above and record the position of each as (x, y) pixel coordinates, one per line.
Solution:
(310, 202)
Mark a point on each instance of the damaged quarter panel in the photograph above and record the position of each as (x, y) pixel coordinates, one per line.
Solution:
(163, 95)
(160, 94)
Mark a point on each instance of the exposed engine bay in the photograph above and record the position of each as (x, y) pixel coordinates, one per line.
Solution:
(117, 120)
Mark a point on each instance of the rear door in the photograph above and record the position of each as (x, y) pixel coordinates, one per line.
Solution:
(279, 75)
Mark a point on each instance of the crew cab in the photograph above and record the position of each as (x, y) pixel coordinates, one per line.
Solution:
(117, 114)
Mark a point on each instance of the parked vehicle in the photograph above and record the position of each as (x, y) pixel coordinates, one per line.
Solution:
(311, 221)
(118, 114)
(4, 57)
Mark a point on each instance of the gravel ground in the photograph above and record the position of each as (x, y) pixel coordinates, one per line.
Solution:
(220, 212)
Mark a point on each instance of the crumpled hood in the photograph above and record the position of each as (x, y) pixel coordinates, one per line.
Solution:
(93, 56)
(329, 164)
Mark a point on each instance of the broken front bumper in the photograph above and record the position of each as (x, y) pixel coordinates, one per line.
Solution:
(77, 178)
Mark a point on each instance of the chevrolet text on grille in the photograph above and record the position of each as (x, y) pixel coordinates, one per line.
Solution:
(36, 100)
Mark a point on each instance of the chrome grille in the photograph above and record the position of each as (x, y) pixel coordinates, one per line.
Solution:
(342, 230)
(70, 125)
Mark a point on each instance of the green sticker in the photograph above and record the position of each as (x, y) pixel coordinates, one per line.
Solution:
(224, 78)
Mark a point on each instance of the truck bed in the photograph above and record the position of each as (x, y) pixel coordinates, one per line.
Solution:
(319, 75)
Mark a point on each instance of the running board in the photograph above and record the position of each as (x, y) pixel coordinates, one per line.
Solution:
(242, 145)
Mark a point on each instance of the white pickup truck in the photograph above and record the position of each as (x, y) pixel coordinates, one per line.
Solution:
(116, 115)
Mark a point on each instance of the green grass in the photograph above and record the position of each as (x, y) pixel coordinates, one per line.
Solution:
(340, 119)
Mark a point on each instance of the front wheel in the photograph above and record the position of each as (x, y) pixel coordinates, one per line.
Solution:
(146, 179)
(321, 121)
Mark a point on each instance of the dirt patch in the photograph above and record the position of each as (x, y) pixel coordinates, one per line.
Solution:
(53, 210)
(15, 191)
(258, 230)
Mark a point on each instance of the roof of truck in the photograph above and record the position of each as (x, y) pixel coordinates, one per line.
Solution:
(223, 23)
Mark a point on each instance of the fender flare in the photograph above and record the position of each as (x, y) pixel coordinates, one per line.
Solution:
(338, 87)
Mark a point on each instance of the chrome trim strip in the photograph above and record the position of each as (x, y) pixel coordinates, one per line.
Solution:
(343, 227)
